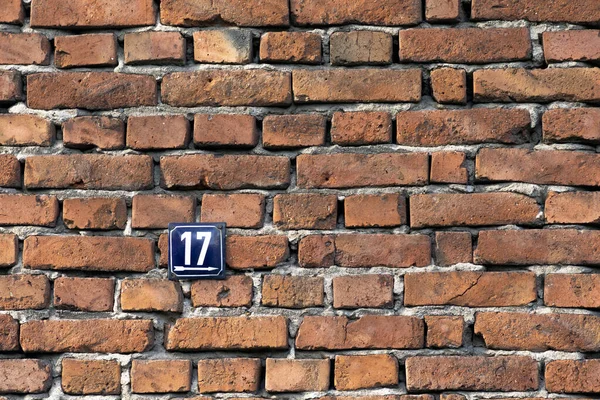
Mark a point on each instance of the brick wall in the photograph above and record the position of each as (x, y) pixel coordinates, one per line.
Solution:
(409, 186)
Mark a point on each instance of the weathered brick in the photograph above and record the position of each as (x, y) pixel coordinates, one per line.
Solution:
(572, 290)
(9, 249)
(163, 249)
(84, 294)
(573, 376)
(11, 87)
(95, 213)
(9, 333)
(350, 170)
(367, 332)
(572, 125)
(151, 295)
(465, 45)
(358, 291)
(453, 248)
(229, 375)
(442, 10)
(225, 172)
(24, 49)
(25, 130)
(449, 167)
(536, 85)
(22, 292)
(449, 85)
(90, 90)
(343, 12)
(23, 209)
(444, 331)
(157, 211)
(305, 211)
(106, 133)
(290, 47)
(234, 291)
(87, 336)
(154, 48)
(248, 252)
(10, 171)
(91, 253)
(560, 167)
(158, 132)
(224, 46)
(237, 210)
(95, 50)
(374, 210)
(361, 128)
(90, 376)
(12, 12)
(571, 46)
(572, 208)
(356, 85)
(25, 376)
(217, 87)
(287, 291)
(161, 376)
(92, 13)
(227, 333)
(365, 372)
(444, 127)
(360, 47)
(295, 375)
(229, 12)
(395, 251)
(291, 131)
(235, 130)
(470, 288)
(316, 251)
(495, 374)
(89, 171)
(575, 11)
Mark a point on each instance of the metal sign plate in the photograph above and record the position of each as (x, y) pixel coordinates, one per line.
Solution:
(196, 251)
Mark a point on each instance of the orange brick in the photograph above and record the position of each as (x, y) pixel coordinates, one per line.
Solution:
(25, 130)
(25, 376)
(571, 46)
(365, 372)
(444, 331)
(449, 85)
(9, 249)
(24, 49)
(84, 294)
(294, 375)
(229, 375)
(227, 46)
(21, 292)
(95, 50)
(291, 131)
(453, 248)
(90, 376)
(234, 291)
(157, 211)
(292, 291)
(245, 252)
(238, 210)
(449, 167)
(360, 47)
(358, 291)
(161, 376)
(154, 48)
(361, 128)
(12, 12)
(374, 210)
(9, 333)
(151, 295)
(343, 12)
(291, 47)
(95, 213)
(228, 130)
(316, 251)
(88, 132)
(305, 211)
(10, 171)
(158, 132)
(442, 10)
(22, 209)
(11, 87)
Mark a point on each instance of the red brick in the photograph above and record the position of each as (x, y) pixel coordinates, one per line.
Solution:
(89, 253)
(234, 291)
(356, 85)
(453, 248)
(225, 172)
(575, 11)
(287, 291)
(10, 171)
(90, 90)
(154, 48)
(158, 132)
(151, 295)
(444, 331)
(360, 47)
(157, 211)
(470, 289)
(229, 12)
(394, 251)
(11, 87)
(495, 374)
(444, 127)
(25, 130)
(350, 170)
(572, 290)
(571, 46)
(217, 87)
(95, 213)
(163, 249)
(365, 372)
(343, 12)
(229, 375)
(25, 376)
(374, 210)
(237, 210)
(572, 208)
(161, 376)
(9, 333)
(92, 14)
(295, 375)
(536, 85)
(572, 125)
(9, 249)
(291, 131)
(449, 167)
(573, 376)
(316, 251)
(225, 46)
(227, 333)
(22, 209)
(367, 332)
(84, 294)
(361, 128)
(24, 49)
(442, 10)
(12, 12)
(465, 45)
(449, 85)
(358, 291)
(248, 252)
(291, 47)
(21, 292)
(96, 50)
(90, 376)
(225, 130)
(106, 133)
(305, 211)
(560, 167)
(87, 336)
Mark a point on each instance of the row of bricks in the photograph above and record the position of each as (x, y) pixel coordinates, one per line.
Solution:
(413, 128)
(235, 46)
(350, 372)
(118, 13)
(459, 288)
(267, 87)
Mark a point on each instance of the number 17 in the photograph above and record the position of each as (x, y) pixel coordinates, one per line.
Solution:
(187, 238)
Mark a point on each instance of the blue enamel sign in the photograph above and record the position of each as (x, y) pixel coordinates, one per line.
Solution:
(196, 251)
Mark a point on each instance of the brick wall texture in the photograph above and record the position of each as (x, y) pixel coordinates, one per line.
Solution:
(411, 190)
